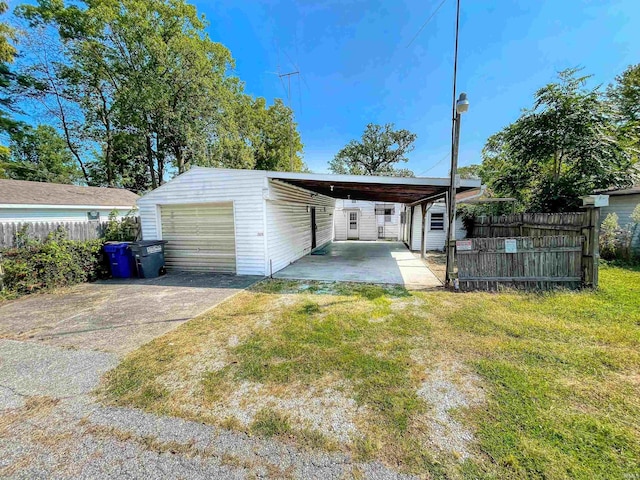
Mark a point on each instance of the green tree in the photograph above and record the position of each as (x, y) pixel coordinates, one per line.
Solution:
(8, 79)
(276, 144)
(624, 94)
(40, 154)
(565, 146)
(377, 153)
(470, 171)
(145, 72)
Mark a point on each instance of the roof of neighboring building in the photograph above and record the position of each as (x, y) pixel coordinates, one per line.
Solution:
(634, 190)
(22, 192)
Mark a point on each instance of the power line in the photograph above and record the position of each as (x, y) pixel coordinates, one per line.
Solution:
(446, 155)
(433, 14)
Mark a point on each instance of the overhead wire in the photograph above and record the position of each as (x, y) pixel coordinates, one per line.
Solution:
(433, 14)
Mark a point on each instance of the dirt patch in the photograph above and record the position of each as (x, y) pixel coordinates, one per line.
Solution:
(325, 410)
(450, 386)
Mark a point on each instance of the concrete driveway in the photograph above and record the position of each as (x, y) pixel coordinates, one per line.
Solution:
(116, 315)
(360, 261)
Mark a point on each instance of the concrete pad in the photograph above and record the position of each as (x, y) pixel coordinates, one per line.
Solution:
(116, 315)
(367, 262)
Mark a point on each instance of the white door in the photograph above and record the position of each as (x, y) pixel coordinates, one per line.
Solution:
(353, 225)
(201, 237)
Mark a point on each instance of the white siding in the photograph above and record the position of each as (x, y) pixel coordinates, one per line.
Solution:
(435, 239)
(207, 185)
(289, 223)
(623, 206)
(368, 222)
(62, 214)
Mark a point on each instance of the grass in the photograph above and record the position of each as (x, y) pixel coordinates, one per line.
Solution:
(559, 371)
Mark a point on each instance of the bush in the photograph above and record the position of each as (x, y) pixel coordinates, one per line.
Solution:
(124, 230)
(54, 262)
(616, 242)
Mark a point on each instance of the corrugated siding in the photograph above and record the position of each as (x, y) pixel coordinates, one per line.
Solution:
(201, 237)
(53, 214)
(205, 185)
(623, 206)
(289, 223)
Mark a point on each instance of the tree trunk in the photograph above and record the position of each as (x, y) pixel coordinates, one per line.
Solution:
(177, 151)
(108, 154)
(152, 172)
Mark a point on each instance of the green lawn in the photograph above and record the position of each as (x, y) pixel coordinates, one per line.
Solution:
(476, 385)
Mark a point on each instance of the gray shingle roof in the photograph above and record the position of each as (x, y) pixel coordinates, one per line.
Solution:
(40, 193)
(635, 189)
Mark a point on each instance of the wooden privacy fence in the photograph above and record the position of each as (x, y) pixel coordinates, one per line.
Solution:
(531, 250)
(75, 230)
(528, 225)
(521, 262)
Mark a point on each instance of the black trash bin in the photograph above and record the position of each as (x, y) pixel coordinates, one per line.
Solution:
(149, 257)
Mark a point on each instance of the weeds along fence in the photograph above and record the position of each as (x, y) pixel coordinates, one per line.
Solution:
(531, 251)
(75, 230)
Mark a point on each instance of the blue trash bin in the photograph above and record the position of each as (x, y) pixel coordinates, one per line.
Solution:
(120, 259)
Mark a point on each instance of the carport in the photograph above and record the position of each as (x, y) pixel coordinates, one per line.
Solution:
(254, 222)
(375, 262)
(363, 261)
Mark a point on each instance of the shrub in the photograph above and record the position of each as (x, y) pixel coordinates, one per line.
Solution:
(124, 230)
(608, 236)
(616, 242)
(54, 262)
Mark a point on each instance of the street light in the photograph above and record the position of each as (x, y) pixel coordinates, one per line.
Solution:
(462, 105)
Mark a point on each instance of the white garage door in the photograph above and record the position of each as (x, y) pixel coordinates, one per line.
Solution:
(201, 237)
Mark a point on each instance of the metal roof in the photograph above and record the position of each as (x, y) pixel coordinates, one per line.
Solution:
(373, 188)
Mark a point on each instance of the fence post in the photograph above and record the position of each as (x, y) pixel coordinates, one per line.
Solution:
(591, 247)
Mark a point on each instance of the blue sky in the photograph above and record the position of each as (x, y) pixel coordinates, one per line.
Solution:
(357, 68)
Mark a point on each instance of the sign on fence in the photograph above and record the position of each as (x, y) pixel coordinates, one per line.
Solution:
(464, 245)
(529, 262)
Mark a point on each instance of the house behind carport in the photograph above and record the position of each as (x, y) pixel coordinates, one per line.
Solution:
(253, 222)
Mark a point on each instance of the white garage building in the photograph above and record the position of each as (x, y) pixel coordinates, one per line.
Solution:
(253, 222)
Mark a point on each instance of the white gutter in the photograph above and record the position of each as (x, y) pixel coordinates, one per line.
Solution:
(477, 195)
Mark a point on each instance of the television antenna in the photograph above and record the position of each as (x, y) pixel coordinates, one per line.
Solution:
(288, 77)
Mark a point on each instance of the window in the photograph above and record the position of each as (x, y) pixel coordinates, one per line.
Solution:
(437, 221)
(387, 214)
(354, 201)
(93, 216)
(353, 220)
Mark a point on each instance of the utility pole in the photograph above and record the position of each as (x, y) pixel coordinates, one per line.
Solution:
(289, 75)
(455, 135)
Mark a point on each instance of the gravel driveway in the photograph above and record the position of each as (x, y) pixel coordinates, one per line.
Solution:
(50, 427)
(55, 348)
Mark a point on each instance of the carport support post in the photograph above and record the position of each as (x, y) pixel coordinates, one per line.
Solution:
(423, 247)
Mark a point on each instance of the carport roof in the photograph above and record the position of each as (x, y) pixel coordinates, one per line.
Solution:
(379, 189)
